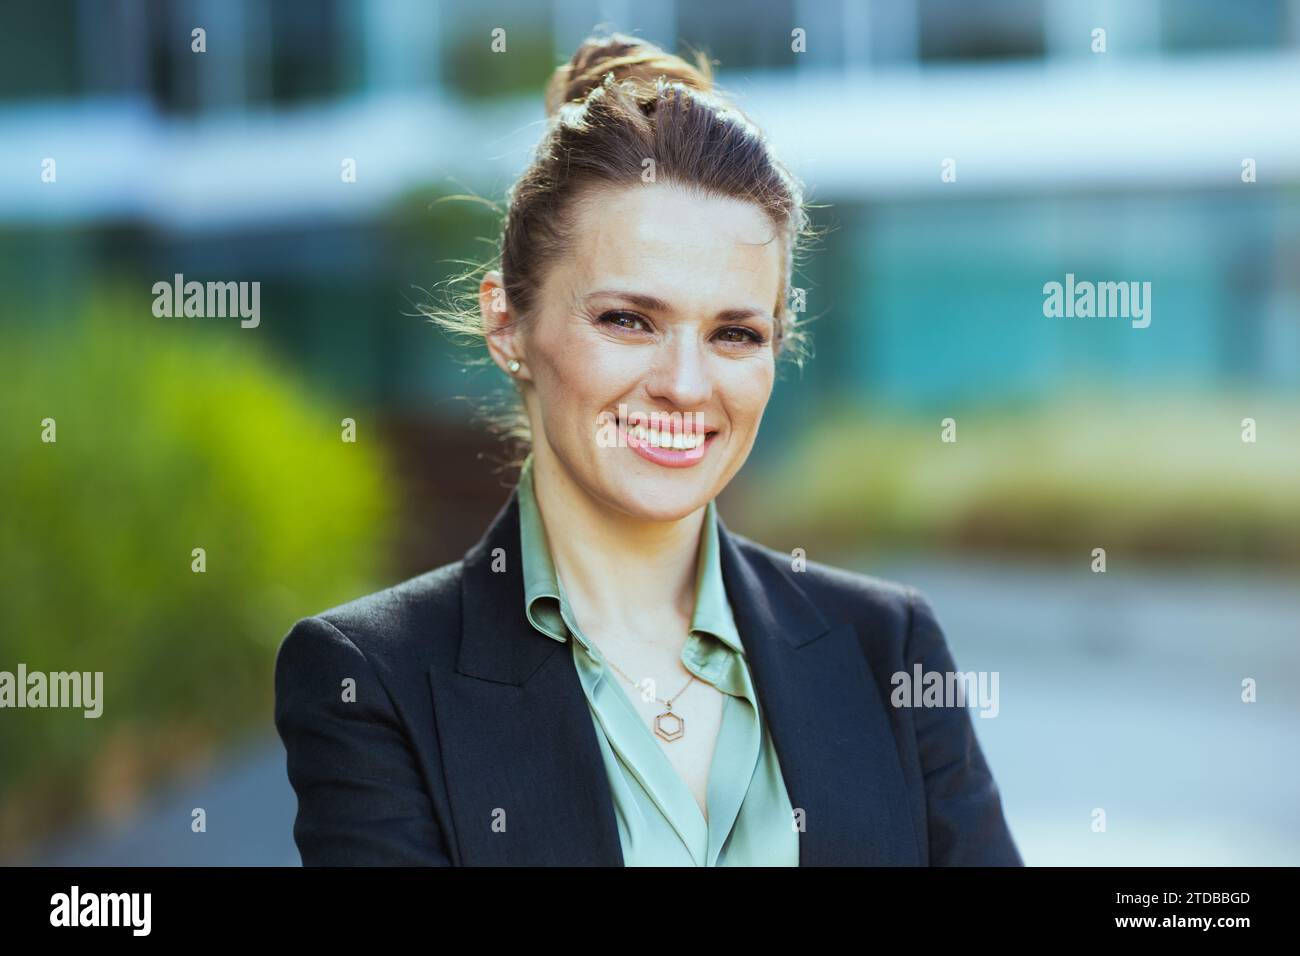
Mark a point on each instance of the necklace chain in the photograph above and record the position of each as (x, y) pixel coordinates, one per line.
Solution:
(667, 703)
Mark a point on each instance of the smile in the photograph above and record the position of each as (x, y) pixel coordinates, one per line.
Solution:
(667, 446)
(665, 439)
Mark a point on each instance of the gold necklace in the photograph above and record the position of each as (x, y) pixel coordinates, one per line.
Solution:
(674, 728)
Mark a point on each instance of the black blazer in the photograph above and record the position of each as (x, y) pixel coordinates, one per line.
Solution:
(464, 714)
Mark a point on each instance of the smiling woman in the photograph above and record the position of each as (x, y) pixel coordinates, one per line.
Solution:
(696, 339)
(714, 703)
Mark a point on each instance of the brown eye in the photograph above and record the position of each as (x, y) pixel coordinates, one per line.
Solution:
(741, 335)
(622, 320)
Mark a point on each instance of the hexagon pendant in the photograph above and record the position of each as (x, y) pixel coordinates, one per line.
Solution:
(669, 727)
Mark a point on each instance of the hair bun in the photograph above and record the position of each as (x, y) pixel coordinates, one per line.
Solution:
(628, 58)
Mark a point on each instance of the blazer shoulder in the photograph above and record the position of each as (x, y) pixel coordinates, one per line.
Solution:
(880, 603)
(398, 624)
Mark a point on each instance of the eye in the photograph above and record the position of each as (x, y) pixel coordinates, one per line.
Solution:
(743, 335)
(621, 319)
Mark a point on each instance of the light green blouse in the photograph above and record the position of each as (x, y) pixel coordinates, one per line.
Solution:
(750, 820)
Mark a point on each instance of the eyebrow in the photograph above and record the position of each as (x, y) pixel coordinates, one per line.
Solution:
(655, 304)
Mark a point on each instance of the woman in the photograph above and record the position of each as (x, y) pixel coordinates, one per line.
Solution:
(611, 676)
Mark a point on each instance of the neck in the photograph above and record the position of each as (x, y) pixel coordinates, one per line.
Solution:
(613, 564)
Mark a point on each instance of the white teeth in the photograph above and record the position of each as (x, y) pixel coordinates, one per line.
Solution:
(661, 439)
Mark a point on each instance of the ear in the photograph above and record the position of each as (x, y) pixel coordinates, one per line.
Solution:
(504, 340)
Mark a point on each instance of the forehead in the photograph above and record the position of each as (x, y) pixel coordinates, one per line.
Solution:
(676, 243)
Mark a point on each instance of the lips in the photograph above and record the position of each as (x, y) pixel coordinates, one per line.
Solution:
(680, 447)
(676, 423)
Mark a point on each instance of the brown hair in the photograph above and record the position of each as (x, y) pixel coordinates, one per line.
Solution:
(620, 101)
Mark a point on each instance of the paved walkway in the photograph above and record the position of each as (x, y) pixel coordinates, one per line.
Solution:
(250, 809)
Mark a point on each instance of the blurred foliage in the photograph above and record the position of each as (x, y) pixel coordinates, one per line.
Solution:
(1162, 479)
(471, 68)
(172, 434)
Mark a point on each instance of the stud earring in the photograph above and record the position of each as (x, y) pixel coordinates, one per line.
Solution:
(513, 365)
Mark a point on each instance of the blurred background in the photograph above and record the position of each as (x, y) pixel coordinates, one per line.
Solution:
(1119, 690)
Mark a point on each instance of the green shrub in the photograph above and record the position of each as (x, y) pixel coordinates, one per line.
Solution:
(172, 434)
(1157, 479)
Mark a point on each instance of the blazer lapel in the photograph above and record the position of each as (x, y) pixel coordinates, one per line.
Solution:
(830, 728)
(524, 771)
(523, 765)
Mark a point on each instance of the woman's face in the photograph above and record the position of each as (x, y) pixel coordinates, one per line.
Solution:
(661, 314)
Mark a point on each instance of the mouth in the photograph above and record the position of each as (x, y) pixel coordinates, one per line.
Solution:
(676, 441)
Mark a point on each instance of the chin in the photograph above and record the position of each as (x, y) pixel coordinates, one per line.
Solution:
(669, 497)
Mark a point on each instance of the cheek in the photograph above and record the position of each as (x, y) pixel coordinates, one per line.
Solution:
(747, 392)
(593, 372)
(582, 378)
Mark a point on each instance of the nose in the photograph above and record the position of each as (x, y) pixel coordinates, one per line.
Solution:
(679, 373)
